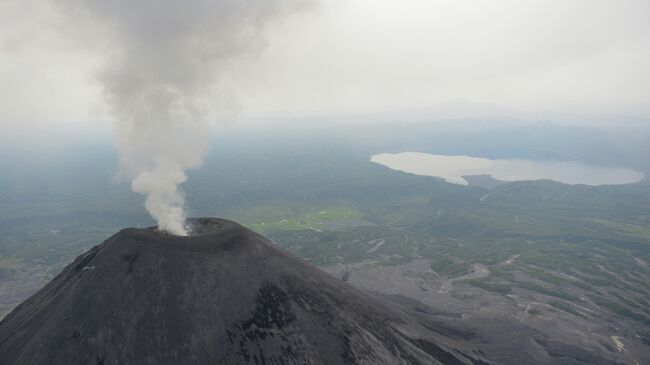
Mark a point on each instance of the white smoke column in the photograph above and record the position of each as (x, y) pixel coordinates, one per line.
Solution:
(165, 56)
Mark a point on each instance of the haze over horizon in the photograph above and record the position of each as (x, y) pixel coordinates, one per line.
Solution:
(555, 60)
(478, 169)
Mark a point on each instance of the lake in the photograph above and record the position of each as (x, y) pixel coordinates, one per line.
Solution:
(453, 168)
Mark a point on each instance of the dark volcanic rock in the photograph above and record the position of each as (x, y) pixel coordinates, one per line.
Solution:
(224, 295)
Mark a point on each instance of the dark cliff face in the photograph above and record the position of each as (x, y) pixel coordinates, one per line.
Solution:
(224, 295)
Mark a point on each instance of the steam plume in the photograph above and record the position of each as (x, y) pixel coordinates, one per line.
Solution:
(165, 57)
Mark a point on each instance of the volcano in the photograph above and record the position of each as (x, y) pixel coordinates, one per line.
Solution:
(223, 295)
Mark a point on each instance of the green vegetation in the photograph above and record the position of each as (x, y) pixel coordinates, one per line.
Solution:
(495, 287)
(329, 218)
(620, 309)
(565, 307)
(327, 203)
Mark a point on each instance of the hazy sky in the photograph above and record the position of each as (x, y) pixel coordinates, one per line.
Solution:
(365, 57)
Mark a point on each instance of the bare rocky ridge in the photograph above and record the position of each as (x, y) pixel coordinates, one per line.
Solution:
(223, 295)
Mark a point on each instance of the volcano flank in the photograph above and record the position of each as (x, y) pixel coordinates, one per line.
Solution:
(224, 295)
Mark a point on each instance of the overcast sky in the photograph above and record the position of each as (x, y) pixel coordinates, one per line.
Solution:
(350, 57)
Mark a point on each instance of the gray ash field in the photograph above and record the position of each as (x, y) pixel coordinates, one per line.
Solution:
(533, 272)
(223, 295)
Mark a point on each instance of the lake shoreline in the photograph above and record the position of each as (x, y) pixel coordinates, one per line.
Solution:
(478, 171)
